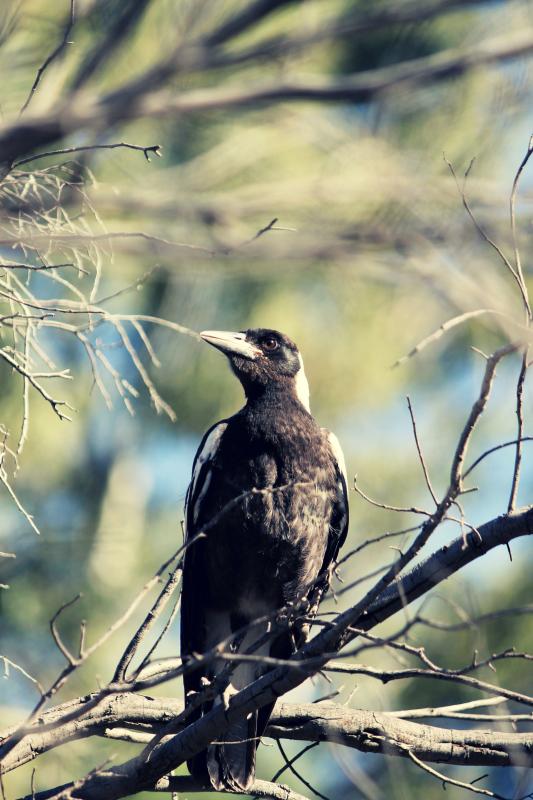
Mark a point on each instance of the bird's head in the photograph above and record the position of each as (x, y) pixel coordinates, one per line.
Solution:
(263, 360)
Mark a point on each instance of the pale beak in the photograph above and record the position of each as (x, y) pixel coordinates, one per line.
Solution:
(231, 343)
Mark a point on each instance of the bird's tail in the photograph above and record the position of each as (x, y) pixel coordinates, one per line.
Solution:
(231, 764)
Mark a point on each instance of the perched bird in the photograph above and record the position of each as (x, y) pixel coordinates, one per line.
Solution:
(269, 489)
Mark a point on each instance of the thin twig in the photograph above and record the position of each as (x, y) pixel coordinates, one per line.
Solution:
(55, 633)
(415, 713)
(289, 764)
(453, 782)
(52, 57)
(447, 326)
(420, 454)
(298, 755)
(8, 663)
(478, 227)
(148, 622)
(385, 676)
(519, 431)
(386, 506)
(494, 450)
(153, 148)
(512, 202)
(456, 476)
(375, 540)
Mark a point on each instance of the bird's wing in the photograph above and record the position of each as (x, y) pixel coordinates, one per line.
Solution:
(338, 527)
(231, 764)
(193, 622)
(201, 475)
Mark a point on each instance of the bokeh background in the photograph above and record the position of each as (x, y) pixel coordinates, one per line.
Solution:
(371, 252)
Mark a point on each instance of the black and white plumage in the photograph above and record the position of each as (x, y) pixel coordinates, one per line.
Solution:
(265, 550)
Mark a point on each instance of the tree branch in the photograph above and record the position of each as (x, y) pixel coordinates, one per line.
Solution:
(153, 148)
(362, 730)
(138, 773)
(52, 57)
(139, 99)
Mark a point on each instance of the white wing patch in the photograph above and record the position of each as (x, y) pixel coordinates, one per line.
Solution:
(205, 455)
(336, 449)
(205, 487)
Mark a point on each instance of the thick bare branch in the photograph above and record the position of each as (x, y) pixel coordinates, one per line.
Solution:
(366, 731)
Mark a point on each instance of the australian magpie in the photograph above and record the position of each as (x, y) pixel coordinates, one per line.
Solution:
(268, 490)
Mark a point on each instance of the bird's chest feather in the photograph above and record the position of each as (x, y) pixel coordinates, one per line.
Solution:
(271, 487)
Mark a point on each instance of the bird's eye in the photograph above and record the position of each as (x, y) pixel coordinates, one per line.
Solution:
(270, 344)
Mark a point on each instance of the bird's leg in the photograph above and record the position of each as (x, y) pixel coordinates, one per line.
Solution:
(298, 630)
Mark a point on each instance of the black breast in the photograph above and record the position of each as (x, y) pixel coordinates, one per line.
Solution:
(267, 549)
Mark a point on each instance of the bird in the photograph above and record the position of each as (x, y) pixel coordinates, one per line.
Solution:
(266, 512)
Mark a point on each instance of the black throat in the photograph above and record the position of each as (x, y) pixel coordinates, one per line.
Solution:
(280, 394)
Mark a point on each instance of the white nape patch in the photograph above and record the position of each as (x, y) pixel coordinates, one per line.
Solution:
(337, 454)
(302, 387)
